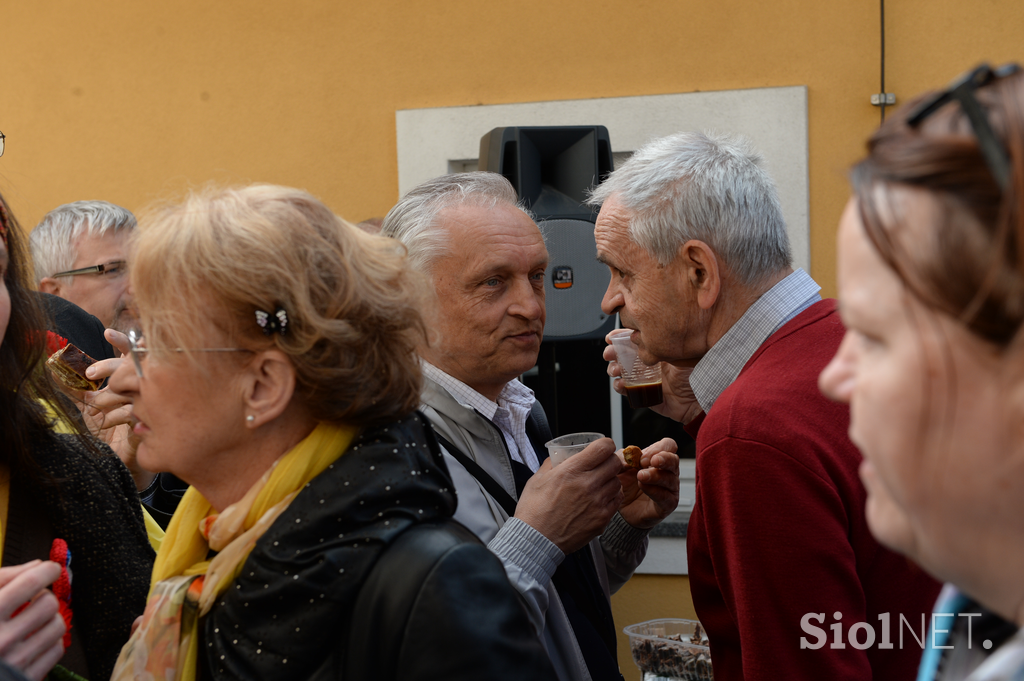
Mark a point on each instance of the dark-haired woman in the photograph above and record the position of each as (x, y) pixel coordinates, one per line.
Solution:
(63, 487)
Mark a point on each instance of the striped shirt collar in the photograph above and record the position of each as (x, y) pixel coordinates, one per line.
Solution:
(509, 413)
(723, 362)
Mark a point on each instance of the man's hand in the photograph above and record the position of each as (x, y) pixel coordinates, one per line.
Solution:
(32, 639)
(650, 494)
(679, 404)
(572, 503)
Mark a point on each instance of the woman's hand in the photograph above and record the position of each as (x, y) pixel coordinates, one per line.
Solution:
(106, 367)
(109, 415)
(103, 411)
(32, 640)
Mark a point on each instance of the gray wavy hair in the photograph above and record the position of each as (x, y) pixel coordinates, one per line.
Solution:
(415, 218)
(708, 187)
(52, 241)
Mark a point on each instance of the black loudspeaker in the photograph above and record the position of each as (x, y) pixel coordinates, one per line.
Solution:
(552, 169)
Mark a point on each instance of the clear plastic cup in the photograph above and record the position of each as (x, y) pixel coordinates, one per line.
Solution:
(643, 382)
(561, 448)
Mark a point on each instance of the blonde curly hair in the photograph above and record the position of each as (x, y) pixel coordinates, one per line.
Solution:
(353, 306)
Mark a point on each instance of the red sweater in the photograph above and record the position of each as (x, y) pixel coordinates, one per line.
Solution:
(778, 529)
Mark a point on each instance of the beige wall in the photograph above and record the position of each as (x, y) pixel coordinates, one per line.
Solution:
(131, 101)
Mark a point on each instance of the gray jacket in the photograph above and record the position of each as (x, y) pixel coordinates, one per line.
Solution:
(530, 559)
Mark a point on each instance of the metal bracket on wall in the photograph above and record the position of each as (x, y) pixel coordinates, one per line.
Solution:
(883, 99)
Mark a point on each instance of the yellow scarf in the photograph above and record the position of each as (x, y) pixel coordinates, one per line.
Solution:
(185, 584)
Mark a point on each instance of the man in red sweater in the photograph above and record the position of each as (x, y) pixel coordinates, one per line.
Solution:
(784, 573)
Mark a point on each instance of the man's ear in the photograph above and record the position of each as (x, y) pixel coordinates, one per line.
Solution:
(702, 272)
(269, 386)
(49, 285)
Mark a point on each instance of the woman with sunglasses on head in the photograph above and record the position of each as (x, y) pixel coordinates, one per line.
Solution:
(61, 495)
(276, 374)
(931, 289)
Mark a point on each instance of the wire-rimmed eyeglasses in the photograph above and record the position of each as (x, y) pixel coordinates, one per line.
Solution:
(137, 350)
(962, 90)
(113, 269)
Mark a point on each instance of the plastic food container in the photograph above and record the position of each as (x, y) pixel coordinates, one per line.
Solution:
(670, 650)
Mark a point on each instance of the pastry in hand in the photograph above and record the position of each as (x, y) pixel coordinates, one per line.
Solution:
(632, 456)
(69, 364)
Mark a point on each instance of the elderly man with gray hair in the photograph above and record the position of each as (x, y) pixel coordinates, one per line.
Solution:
(778, 547)
(567, 536)
(80, 253)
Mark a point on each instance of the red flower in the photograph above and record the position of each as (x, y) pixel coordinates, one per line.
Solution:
(54, 342)
(60, 554)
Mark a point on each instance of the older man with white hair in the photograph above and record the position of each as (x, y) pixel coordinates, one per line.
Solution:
(567, 536)
(779, 552)
(80, 253)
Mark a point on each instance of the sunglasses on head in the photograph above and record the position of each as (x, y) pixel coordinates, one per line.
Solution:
(962, 90)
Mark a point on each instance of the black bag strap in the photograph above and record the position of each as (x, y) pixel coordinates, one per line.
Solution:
(496, 491)
(538, 430)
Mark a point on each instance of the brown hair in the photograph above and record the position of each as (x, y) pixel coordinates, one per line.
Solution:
(968, 262)
(353, 306)
(24, 382)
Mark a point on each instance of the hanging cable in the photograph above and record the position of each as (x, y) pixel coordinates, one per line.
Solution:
(882, 22)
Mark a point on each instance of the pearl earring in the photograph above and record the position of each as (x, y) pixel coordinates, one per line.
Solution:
(250, 418)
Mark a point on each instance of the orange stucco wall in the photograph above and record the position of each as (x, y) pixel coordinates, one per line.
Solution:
(131, 101)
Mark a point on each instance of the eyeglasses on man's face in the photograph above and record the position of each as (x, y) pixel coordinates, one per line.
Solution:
(110, 270)
(137, 350)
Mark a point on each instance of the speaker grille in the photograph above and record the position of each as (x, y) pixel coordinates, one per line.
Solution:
(575, 282)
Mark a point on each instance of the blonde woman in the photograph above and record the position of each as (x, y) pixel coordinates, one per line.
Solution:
(276, 374)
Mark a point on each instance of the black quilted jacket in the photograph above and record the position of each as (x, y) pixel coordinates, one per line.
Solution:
(95, 508)
(289, 614)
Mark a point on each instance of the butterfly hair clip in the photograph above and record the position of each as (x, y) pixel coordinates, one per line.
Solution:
(273, 322)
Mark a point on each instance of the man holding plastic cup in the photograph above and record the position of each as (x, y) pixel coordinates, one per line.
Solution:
(777, 545)
(567, 535)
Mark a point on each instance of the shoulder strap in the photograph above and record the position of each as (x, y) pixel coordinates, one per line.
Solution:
(490, 484)
(538, 431)
(389, 593)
